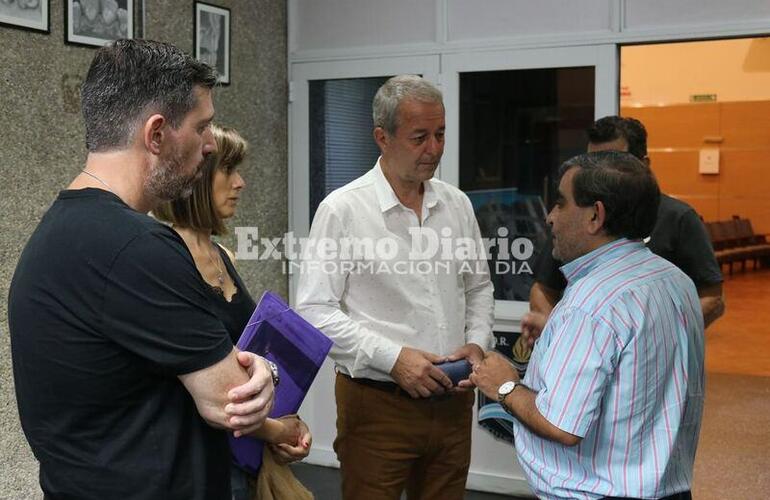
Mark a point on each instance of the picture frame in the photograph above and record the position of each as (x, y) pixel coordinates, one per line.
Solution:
(95, 23)
(31, 15)
(211, 38)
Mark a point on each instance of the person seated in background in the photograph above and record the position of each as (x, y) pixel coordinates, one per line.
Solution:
(679, 235)
(197, 218)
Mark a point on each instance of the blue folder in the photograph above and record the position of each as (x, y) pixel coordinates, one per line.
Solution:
(281, 335)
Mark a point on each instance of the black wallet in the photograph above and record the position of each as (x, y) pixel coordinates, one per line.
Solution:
(456, 370)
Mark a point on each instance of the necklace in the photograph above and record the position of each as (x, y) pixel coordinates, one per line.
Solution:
(221, 275)
(98, 179)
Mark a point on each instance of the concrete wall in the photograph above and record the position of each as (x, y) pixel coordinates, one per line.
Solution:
(43, 148)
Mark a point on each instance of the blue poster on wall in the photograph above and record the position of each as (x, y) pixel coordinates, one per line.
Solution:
(515, 224)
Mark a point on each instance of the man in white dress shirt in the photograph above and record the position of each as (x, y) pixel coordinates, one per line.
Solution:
(399, 280)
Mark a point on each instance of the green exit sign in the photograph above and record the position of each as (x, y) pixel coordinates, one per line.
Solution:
(703, 98)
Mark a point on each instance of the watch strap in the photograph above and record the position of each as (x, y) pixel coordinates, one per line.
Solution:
(276, 376)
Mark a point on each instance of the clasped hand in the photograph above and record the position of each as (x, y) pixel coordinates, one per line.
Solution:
(252, 402)
(491, 373)
(416, 371)
(295, 441)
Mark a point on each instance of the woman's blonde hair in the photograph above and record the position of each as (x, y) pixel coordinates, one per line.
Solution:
(197, 210)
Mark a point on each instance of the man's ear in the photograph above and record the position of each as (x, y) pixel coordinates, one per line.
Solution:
(153, 133)
(596, 224)
(381, 138)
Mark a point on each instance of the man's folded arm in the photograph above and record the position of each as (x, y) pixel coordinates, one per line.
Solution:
(156, 307)
(229, 396)
(209, 388)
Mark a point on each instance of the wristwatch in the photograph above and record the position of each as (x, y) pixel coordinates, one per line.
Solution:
(503, 391)
(273, 372)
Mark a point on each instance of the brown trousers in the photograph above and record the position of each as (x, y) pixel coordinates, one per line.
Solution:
(388, 442)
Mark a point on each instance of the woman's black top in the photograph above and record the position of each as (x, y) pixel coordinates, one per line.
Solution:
(236, 313)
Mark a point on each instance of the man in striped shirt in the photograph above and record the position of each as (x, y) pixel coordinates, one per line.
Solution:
(612, 400)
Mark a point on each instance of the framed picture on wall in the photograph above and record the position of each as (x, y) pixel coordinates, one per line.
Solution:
(25, 14)
(212, 38)
(97, 22)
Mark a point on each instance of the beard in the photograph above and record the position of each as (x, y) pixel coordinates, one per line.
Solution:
(167, 180)
(568, 249)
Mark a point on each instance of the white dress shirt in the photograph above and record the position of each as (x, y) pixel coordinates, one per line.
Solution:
(437, 303)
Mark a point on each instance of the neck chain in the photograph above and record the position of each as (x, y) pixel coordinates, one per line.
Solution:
(98, 179)
(221, 275)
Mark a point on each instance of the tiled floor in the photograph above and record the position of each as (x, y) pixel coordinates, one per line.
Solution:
(732, 460)
(739, 342)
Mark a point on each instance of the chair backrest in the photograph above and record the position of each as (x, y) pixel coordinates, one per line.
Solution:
(745, 231)
(718, 235)
(729, 232)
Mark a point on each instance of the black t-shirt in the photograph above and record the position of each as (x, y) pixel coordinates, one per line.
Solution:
(106, 309)
(679, 236)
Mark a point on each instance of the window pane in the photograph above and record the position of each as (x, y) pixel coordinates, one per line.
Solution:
(341, 144)
(516, 128)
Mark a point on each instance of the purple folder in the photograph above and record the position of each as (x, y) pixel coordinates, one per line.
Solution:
(279, 334)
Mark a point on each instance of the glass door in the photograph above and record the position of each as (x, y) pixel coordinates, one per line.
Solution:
(512, 118)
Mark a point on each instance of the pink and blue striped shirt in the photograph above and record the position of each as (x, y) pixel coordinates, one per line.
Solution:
(620, 364)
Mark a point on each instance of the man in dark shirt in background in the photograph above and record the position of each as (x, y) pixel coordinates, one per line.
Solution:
(124, 377)
(679, 236)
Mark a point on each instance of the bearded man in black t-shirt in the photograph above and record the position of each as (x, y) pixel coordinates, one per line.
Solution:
(124, 378)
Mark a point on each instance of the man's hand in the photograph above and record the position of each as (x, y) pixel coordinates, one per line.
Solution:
(251, 403)
(298, 447)
(491, 373)
(712, 303)
(474, 354)
(532, 325)
(416, 373)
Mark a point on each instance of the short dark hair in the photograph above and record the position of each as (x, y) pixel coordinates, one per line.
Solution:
(626, 187)
(197, 210)
(611, 128)
(130, 78)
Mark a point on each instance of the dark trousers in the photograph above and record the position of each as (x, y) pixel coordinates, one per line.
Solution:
(388, 442)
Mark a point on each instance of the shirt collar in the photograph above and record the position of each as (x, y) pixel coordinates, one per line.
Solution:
(387, 197)
(430, 198)
(584, 264)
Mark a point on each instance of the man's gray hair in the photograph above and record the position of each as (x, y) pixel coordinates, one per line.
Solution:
(395, 90)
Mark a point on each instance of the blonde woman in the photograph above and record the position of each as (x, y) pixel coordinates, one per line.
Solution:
(196, 219)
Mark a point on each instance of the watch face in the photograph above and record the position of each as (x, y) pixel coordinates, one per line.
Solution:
(506, 388)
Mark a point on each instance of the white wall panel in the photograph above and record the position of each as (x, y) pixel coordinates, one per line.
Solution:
(341, 24)
(474, 20)
(654, 14)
